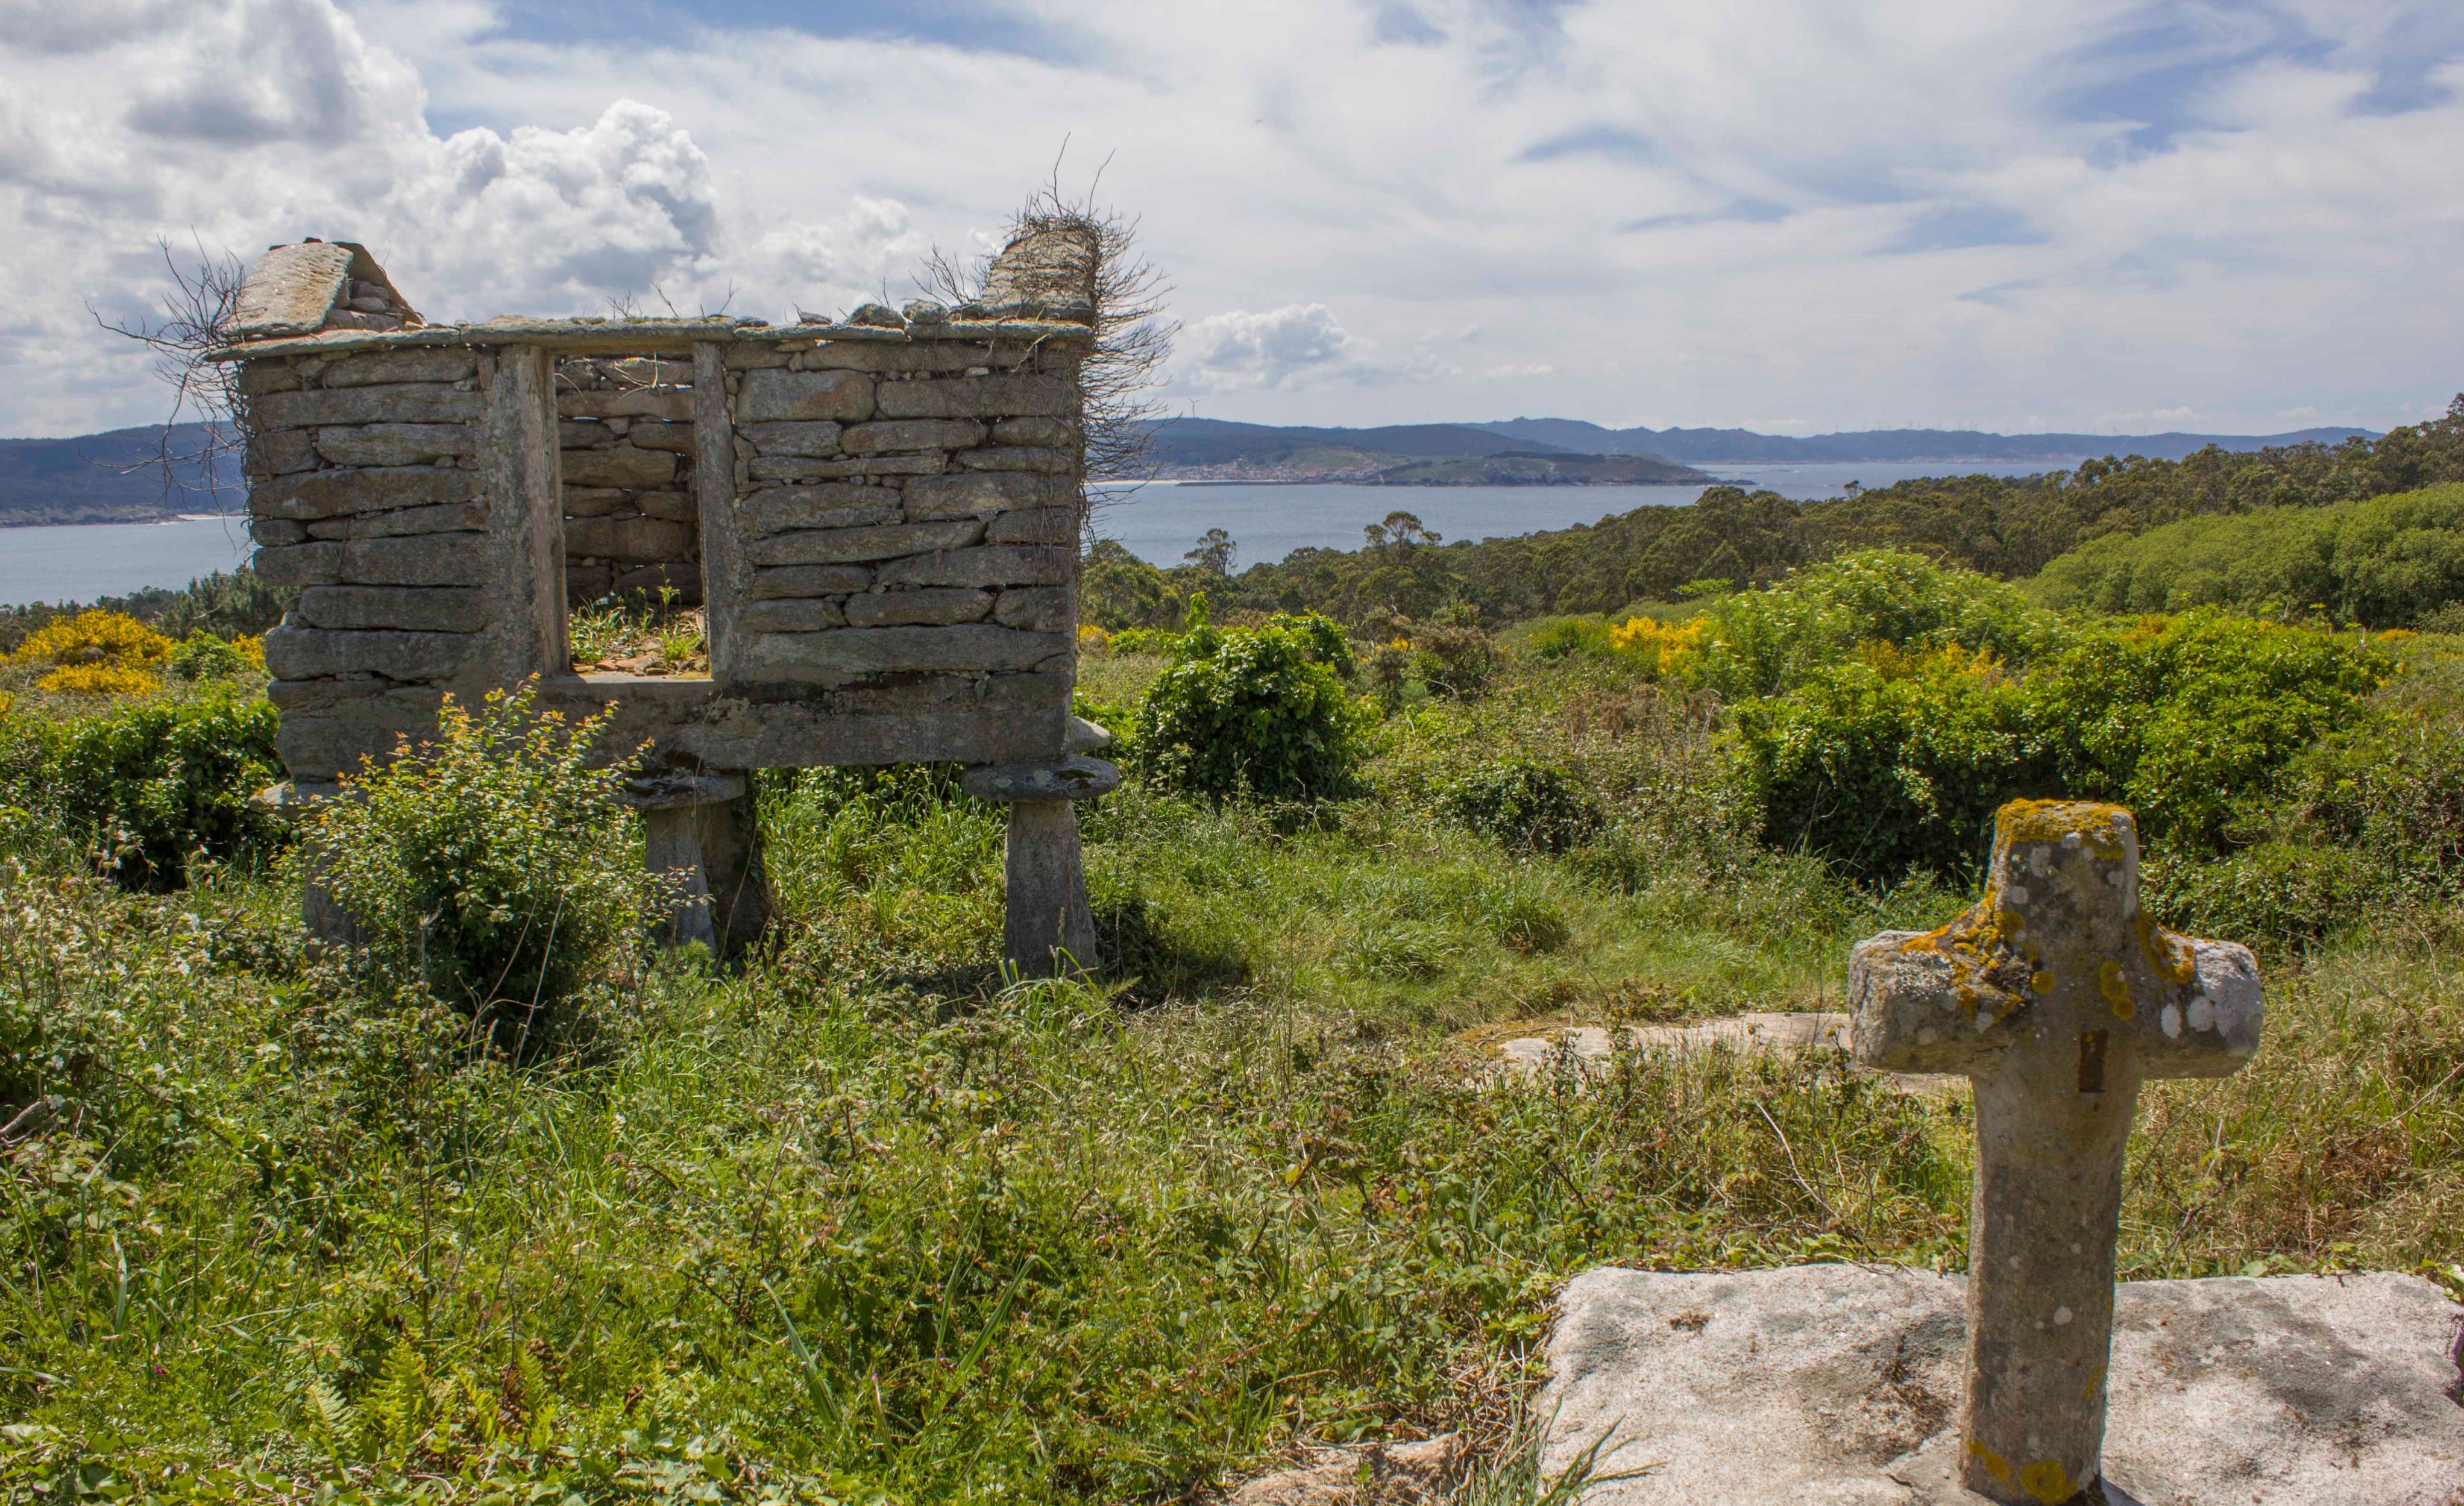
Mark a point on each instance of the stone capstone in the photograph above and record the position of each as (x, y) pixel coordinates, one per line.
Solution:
(1840, 1385)
(1077, 778)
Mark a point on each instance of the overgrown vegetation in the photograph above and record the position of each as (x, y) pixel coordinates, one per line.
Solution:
(500, 1205)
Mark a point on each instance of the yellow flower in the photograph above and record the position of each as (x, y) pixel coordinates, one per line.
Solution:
(99, 679)
(94, 638)
(1654, 647)
(1092, 638)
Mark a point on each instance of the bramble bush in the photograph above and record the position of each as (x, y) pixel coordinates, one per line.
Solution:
(492, 866)
(1252, 712)
(145, 788)
(1523, 803)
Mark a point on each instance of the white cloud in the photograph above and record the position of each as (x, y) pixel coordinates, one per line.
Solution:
(1860, 212)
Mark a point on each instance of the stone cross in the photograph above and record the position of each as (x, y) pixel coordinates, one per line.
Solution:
(2059, 996)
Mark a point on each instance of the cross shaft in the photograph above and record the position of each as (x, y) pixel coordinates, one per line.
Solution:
(2059, 996)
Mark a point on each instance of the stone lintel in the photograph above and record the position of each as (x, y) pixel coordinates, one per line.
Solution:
(674, 789)
(654, 336)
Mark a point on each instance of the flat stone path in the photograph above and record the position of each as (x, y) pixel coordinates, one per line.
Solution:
(1840, 1384)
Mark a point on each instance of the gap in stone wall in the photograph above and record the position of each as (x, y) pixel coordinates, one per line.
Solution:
(630, 522)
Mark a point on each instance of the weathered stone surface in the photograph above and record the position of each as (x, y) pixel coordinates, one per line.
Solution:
(1000, 565)
(796, 468)
(1077, 778)
(1019, 457)
(977, 396)
(808, 580)
(437, 559)
(773, 396)
(1051, 433)
(782, 509)
(870, 355)
(572, 434)
(677, 439)
(599, 501)
(278, 453)
(389, 403)
(1051, 269)
(1038, 609)
(795, 615)
(986, 494)
(1756, 1030)
(396, 444)
(399, 365)
(620, 465)
(408, 608)
(585, 582)
(998, 718)
(671, 405)
(288, 291)
(301, 653)
(277, 532)
(792, 439)
(640, 539)
(852, 545)
(873, 439)
(1049, 524)
(1421, 1474)
(451, 517)
(851, 651)
(2059, 996)
(929, 606)
(257, 377)
(678, 505)
(1841, 1384)
(332, 494)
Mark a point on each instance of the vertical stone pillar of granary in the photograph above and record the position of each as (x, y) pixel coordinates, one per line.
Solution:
(1049, 928)
(698, 829)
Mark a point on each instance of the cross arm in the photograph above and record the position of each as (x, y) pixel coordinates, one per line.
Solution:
(2203, 1018)
(1924, 1001)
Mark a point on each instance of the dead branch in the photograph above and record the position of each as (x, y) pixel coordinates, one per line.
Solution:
(203, 392)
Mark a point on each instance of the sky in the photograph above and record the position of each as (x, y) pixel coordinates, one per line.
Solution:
(2114, 216)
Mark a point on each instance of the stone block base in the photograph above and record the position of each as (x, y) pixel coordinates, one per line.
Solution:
(1840, 1385)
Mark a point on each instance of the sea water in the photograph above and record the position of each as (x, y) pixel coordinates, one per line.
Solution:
(1157, 521)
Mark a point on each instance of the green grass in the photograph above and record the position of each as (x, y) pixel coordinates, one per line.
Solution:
(858, 1223)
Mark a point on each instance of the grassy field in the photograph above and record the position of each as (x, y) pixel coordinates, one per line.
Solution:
(858, 1222)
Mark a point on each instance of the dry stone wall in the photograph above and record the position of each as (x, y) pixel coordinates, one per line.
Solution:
(625, 448)
(905, 509)
(881, 517)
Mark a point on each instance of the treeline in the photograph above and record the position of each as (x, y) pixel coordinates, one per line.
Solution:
(2009, 527)
(228, 604)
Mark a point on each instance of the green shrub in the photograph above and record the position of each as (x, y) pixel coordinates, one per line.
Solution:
(2385, 561)
(1767, 643)
(491, 866)
(1883, 773)
(1888, 765)
(1455, 660)
(201, 656)
(1530, 925)
(2273, 895)
(1571, 637)
(1523, 803)
(147, 786)
(1251, 712)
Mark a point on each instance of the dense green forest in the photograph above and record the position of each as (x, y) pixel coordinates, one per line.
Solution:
(2007, 527)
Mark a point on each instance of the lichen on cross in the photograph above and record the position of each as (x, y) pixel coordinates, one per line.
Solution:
(2059, 996)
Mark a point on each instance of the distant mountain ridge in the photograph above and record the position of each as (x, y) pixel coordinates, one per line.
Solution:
(1696, 446)
(111, 477)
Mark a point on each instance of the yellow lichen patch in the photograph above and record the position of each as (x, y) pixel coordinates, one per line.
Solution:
(1995, 1464)
(2043, 982)
(1931, 941)
(2171, 955)
(2117, 990)
(2048, 1482)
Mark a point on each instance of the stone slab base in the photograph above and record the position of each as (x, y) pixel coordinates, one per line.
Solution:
(1839, 1385)
(1757, 1031)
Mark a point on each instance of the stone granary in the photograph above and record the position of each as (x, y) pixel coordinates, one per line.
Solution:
(879, 515)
